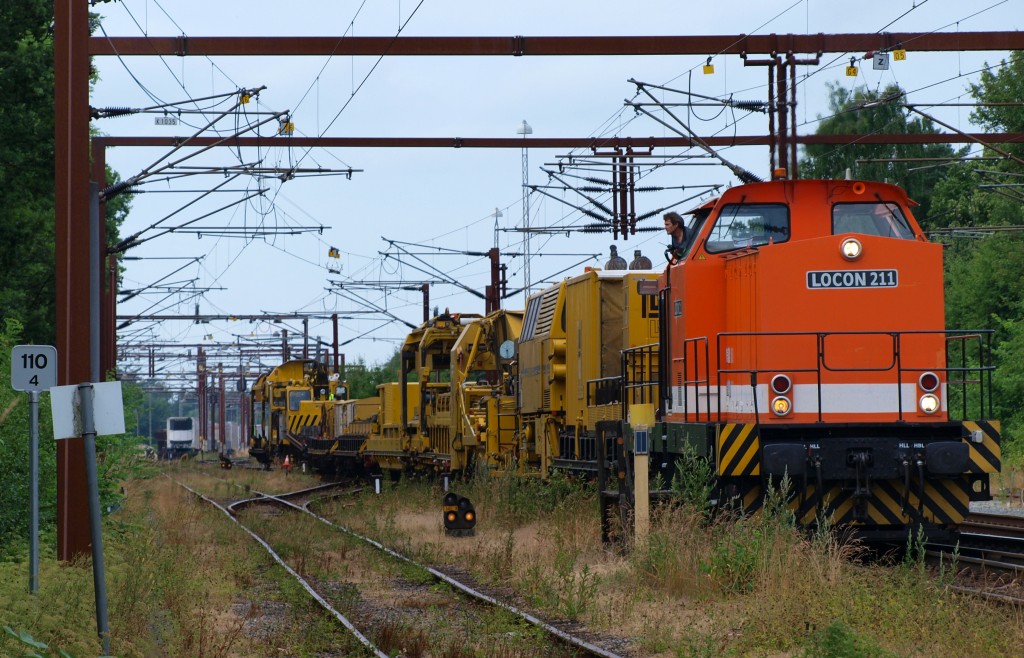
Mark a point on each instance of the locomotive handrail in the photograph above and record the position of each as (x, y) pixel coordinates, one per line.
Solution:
(983, 368)
(697, 381)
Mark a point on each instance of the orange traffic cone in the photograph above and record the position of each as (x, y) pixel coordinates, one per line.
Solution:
(287, 464)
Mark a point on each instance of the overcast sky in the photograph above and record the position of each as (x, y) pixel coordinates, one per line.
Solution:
(447, 197)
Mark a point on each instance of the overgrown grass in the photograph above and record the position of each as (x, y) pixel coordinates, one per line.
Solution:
(185, 582)
(698, 586)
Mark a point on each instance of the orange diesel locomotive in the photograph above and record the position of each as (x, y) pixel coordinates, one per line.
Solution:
(803, 336)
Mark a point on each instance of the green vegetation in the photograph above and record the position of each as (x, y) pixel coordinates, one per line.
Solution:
(27, 283)
(363, 379)
(831, 161)
(696, 586)
(984, 271)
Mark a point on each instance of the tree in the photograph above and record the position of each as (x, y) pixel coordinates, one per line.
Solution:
(14, 449)
(850, 117)
(363, 380)
(1004, 85)
(985, 275)
(27, 198)
(27, 291)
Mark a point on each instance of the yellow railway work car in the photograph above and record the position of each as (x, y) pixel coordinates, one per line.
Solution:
(570, 360)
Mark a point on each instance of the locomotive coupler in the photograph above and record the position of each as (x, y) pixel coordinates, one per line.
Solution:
(905, 464)
(860, 461)
(920, 487)
(819, 486)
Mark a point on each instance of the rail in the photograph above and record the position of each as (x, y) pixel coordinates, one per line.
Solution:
(563, 636)
(294, 574)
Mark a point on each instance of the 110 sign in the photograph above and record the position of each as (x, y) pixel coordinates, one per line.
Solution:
(33, 367)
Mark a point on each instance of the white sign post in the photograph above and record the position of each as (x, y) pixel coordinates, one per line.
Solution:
(87, 410)
(33, 369)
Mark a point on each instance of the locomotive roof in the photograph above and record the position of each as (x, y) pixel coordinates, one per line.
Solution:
(767, 188)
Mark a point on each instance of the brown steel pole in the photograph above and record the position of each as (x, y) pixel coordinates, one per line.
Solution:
(221, 408)
(624, 196)
(201, 396)
(632, 194)
(334, 321)
(243, 420)
(783, 114)
(615, 198)
(425, 288)
(107, 291)
(71, 229)
(107, 327)
(493, 296)
(793, 165)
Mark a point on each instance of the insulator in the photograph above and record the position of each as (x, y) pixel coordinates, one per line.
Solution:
(750, 106)
(653, 188)
(591, 213)
(596, 180)
(649, 229)
(114, 111)
(115, 189)
(594, 228)
(592, 188)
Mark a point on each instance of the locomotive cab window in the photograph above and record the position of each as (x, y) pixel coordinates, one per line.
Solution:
(741, 225)
(885, 220)
(295, 398)
(694, 224)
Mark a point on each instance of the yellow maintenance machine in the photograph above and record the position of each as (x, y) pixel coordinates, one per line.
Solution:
(288, 410)
(484, 400)
(571, 362)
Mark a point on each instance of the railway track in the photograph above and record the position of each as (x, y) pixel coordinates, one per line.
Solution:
(300, 502)
(989, 558)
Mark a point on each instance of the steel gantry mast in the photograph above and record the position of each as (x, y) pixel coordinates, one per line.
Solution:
(73, 47)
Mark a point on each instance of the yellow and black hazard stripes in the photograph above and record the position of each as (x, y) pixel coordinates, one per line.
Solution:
(890, 503)
(986, 455)
(298, 421)
(738, 450)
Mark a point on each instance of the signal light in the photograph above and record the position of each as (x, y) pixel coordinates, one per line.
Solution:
(928, 382)
(781, 384)
(459, 515)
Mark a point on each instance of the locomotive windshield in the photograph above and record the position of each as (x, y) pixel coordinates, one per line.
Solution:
(883, 219)
(179, 424)
(693, 226)
(749, 225)
(298, 396)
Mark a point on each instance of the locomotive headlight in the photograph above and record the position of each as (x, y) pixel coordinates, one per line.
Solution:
(929, 403)
(851, 249)
(781, 405)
